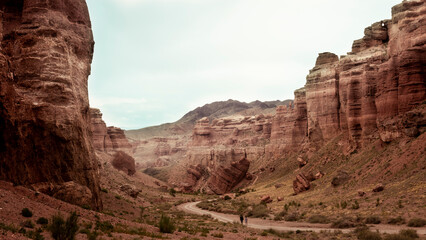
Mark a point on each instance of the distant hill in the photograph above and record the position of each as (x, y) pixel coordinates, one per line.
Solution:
(212, 110)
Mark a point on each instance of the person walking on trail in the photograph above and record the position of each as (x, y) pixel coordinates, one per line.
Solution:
(241, 218)
(246, 219)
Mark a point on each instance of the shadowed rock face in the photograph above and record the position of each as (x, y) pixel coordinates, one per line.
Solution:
(45, 56)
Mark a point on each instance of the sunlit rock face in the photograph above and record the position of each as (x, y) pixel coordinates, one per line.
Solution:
(45, 56)
(101, 139)
(363, 96)
(322, 98)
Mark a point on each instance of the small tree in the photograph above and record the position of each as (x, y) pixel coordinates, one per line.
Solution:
(166, 225)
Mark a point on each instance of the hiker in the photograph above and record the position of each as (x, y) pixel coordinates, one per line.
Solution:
(241, 218)
(246, 219)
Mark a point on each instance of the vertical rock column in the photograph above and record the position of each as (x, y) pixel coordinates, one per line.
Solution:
(45, 57)
(322, 98)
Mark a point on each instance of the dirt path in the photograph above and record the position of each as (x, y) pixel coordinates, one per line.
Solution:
(287, 226)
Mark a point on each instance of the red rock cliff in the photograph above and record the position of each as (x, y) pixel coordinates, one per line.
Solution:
(359, 95)
(45, 56)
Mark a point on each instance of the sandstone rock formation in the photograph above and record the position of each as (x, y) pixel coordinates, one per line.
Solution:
(45, 55)
(101, 139)
(301, 183)
(224, 178)
(118, 139)
(371, 93)
(124, 162)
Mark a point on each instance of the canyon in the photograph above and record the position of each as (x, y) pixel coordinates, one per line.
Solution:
(354, 134)
(362, 97)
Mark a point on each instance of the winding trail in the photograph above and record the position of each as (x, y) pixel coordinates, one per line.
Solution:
(257, 223)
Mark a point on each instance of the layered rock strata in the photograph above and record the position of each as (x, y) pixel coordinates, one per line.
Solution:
(107, 139)
(101, 139)
(45, 56)
(360, 96)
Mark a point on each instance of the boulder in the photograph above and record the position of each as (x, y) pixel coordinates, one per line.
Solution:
(379, 188)
(74, 193)
(301, 183)
(123, 162)
(266, 199)
(301, 162)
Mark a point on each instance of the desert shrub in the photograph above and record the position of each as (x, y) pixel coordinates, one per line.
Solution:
(343, 223)
(277, 233)
(64, 230)
(104, 190)
(373, 220)
(26, 212)
(42, 221)
(217, 235)
(343, 204)
(259, 211)
(398, 220)
(355, 205)
(294, 216)
(227, 197)
(172, 192)
(318, 219)
(397, 237)
(409, 233)
(280, 215)
(365, 234)
(35, 235)
(166, 225)
(8, 228)
(27, 224)
(104, 226)
(416, 222)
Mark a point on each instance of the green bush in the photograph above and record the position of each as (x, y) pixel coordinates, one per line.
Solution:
(397, 237)
(292, 217)
(416, 222)
(318, 219)
(42, 221)
(365, 234)
(64, 230)
(373, 220)
(166, 225)
(409, 233)
(396, 221)
(26, 212)
(35, 235)
(259, 211)
(104, 226)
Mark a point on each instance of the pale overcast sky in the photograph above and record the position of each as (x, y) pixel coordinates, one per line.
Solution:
(155, 60)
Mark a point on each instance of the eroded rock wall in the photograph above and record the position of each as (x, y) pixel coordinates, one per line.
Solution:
(45, 56)
(362, 96)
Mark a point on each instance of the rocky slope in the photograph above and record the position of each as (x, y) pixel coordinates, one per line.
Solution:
(45, 56)
(361, 96)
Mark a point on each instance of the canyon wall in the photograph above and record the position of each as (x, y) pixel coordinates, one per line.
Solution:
(45, 56)
(359, 96)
